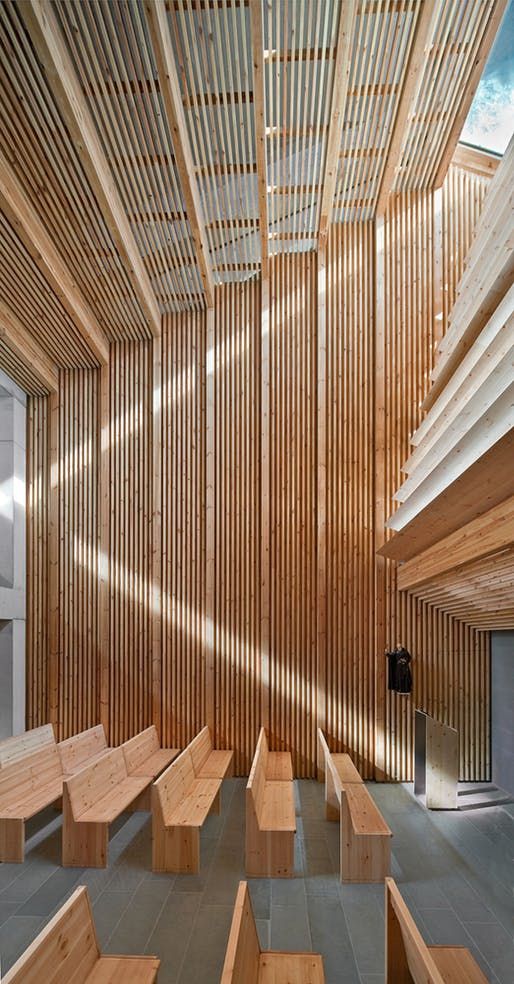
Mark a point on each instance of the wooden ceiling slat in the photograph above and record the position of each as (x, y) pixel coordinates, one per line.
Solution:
(26, 349)
(42, 250)
(47, 38)
(260, 128)
(340, 85)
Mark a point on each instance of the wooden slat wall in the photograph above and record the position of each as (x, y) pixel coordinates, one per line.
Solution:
(182, 475)
(292, 529)
(70, 427)
(348, 426)
(214, 447)
(127, 541)
(451, 669)
(462, 198)
(37, 560)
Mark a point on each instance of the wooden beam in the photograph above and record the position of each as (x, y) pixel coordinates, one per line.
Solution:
(159, 28)
(260, 126)
(422, 34)
(335, 129)
(47, 38)
(468, 90)
(27, 349)
(21, 215)
(488, 534)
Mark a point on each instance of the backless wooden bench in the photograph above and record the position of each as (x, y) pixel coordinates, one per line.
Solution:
(338, 769)
(246, 963)
(181, 802)
(27, 786)
(67, 950)
(270, 819)
(409, 959)
(92, 799)
(81, 750)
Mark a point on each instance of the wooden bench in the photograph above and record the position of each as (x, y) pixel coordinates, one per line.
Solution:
(365, 838)
(246, 963)
(270, 819)
(209, 762)
(27, 786)
(81, 750)
(408, 958)
(338, 769)
(67, 950)
(144, 757)
(181, 803)
(19, 746)
(92, 799)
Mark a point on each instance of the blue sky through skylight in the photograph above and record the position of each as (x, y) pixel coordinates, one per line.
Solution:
(490, 121)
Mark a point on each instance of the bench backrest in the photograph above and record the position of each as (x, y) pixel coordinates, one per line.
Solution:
(200, 748)
(257, 778)
(66, 949)
(86, 787)
(243, 951)
(174, 784)
(17, 747)
(76, 751)
(406, 951)
(30, 773)
(137, 749)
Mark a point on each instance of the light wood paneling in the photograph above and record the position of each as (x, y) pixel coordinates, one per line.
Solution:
(248, 463)
(37, 560)
(293, 526)
(451, 668)
(348, 429)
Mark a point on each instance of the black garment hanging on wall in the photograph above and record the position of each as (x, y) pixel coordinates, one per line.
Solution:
(399, 677)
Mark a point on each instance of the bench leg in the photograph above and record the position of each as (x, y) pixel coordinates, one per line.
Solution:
(363, 858)
(176, 849)
(269, 853)
(84, 845)
(12, 840)
(216, 804)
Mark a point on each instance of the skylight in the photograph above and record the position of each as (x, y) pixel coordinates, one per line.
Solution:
(490, 121)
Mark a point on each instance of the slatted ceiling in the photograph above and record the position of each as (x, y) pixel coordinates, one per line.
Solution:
(24, 289)
(113, 57)
(297, 103)
(19, 373)
(381, 43)
(478, 593)
(48, 167)
(458, 32)
(213, 49)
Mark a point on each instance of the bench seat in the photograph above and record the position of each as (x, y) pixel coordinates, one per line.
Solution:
(156, 763)
(124, 970)
(246, 963)
(193, 810)
(456, 965)
(217, 765)
(277, 809)
(291, 968)
(34, 802)
(66, 951)
(279, 767)
(109, 806)
(345, 768)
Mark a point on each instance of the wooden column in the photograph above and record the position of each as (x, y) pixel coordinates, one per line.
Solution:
(321, 492)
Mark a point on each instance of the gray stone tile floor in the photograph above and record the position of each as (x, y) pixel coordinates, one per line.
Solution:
(456, 871)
